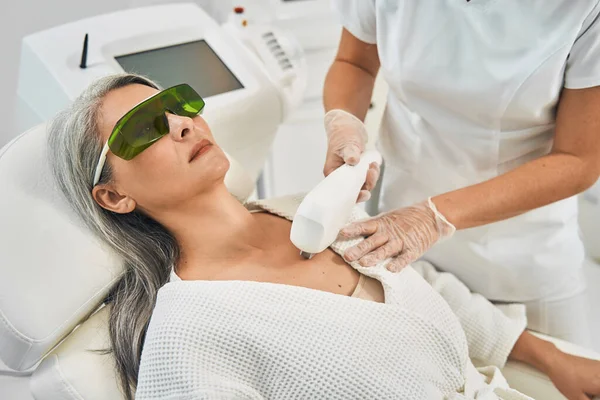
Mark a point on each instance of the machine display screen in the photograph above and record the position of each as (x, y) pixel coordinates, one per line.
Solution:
(194, 63)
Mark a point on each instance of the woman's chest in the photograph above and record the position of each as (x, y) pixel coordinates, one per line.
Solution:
(326, 271)
(283, 264)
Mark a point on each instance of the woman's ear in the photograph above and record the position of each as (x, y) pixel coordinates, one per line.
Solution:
(108, 198)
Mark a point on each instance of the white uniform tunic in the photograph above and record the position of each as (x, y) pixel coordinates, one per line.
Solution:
(473, 93)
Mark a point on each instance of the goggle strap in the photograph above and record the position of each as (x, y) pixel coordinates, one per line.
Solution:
(101, 162)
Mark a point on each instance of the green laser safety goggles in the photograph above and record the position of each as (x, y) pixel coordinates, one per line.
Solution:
(147, 122)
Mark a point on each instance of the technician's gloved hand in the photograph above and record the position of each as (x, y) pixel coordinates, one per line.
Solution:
(346, 139)
(404, 234)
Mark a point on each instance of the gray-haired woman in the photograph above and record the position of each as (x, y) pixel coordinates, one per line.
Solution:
(167, 213)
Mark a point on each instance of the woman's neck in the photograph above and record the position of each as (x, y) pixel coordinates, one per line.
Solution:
(215, 230)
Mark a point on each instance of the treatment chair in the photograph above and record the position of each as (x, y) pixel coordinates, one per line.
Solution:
(54, 277)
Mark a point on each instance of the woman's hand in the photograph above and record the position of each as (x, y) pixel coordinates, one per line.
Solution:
(577, 378)
(404, 234)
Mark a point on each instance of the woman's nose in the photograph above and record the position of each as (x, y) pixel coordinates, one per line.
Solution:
(179, 126)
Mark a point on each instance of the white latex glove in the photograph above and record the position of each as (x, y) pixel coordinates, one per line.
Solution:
(346, 140)
(404, 234)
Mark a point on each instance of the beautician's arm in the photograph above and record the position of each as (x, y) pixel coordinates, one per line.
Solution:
(572, 166)
(350, 80)
(346, 97)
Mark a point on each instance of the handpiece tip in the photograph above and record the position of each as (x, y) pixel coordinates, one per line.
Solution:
(306, 255)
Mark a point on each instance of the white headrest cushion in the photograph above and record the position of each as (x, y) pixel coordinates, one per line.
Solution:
(74, 370)
(54, 273)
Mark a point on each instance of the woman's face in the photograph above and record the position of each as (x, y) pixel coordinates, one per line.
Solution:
(170, 172)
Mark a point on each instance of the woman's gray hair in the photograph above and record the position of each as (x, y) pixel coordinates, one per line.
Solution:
(147, 249)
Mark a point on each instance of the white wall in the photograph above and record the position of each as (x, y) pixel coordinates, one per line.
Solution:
(22, 17)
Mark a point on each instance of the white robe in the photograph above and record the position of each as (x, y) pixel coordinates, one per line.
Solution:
(251, 340)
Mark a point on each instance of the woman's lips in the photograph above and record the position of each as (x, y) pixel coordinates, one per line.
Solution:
(199, 149)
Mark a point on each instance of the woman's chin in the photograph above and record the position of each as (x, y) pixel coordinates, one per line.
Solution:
(213, 170)
(220, 164)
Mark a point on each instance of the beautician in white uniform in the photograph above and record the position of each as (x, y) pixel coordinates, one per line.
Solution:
(492, 126)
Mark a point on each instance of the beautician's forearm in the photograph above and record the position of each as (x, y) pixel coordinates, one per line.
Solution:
(350, 80)
(571, 167)
(534, 351)
(349, 88)
(532, 185)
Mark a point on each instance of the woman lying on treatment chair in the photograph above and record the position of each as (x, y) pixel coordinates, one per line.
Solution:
(217, 303)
